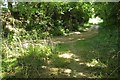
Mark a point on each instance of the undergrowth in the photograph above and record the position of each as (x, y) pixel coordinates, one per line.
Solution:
(18, 56)
(26, 60)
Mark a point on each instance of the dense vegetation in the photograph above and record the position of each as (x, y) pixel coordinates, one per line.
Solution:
(110, 32)
(48, 18)
(30, 34)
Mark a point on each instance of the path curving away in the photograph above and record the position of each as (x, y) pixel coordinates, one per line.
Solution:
(74, 37)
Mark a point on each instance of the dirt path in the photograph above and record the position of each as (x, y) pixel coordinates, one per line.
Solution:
(74, 37)
(76, 66)
(70, 62)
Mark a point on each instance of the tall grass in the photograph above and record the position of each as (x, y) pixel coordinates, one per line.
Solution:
(17, 57)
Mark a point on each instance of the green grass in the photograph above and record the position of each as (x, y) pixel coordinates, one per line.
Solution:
(98, 48)
(97, 55)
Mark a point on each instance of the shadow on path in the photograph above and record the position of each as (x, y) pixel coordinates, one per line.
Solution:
(76, 58)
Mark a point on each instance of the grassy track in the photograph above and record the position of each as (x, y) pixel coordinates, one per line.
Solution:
(76, 55)
(84, 61)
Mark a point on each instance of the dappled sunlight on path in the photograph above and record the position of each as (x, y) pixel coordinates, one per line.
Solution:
(77, 66)
(74, 37)
(75, 58)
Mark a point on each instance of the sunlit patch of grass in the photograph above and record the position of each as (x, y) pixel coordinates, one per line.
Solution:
(79, 74)
(60, 72)
(96, 63)
(66, 55)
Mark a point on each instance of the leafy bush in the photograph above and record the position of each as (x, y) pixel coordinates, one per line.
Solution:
(54, 18)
